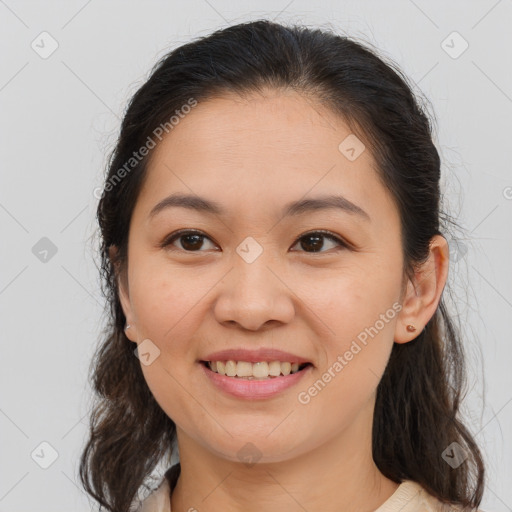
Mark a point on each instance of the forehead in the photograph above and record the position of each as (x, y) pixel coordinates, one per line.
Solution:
(261, 150)
(270, 123)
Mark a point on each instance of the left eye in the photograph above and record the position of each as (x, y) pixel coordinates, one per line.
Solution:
(315, 240)
(191, 241)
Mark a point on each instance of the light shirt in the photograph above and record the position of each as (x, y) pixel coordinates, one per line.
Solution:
(408, 497)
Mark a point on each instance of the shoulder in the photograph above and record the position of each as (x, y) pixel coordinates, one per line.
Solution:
(158, 500)
(410, 496)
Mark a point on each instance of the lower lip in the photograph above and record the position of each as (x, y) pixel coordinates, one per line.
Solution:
(254, 389)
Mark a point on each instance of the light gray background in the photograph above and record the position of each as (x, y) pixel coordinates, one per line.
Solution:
(60, 117)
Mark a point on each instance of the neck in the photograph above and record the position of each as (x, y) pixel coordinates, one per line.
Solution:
(340, 474)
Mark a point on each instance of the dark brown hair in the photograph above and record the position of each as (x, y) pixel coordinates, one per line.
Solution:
(417, 405)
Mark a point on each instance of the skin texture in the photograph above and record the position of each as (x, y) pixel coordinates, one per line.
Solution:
(253, 156)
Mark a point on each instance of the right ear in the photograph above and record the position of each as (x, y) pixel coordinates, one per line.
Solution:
(124, 295)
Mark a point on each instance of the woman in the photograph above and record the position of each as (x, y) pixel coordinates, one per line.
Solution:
(274, 262)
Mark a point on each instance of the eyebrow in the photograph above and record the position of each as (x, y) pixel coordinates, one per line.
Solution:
(299, 207)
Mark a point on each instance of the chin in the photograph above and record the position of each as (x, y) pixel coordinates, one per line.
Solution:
(251, 449)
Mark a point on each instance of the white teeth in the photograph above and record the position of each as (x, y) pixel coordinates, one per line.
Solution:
(274, 368)
(230, 368)
(259, 370)
(243, 369)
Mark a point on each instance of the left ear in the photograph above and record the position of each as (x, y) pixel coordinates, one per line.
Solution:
(424, 292)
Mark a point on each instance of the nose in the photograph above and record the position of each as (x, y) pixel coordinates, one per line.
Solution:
(254, 294)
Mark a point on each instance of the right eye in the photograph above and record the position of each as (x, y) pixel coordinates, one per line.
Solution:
(191, 240)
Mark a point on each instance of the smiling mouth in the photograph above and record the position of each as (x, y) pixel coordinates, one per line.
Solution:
(262, 370)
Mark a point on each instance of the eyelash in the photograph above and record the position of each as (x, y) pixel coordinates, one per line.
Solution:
(326, 234)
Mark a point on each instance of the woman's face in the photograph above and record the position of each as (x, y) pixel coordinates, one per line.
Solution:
(262, 277)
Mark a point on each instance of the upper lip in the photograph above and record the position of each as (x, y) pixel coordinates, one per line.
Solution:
(255, 356)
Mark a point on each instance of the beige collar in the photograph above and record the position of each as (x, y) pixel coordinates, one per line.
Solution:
(408, 497)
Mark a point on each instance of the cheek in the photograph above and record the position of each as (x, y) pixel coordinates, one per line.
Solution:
(349, 300)
(163, 297)
(158, 305)
(166, 309)
(359, 313)
(354, 358)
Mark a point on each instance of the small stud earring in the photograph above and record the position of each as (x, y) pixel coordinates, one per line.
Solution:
(411, 328)
(127, 326)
